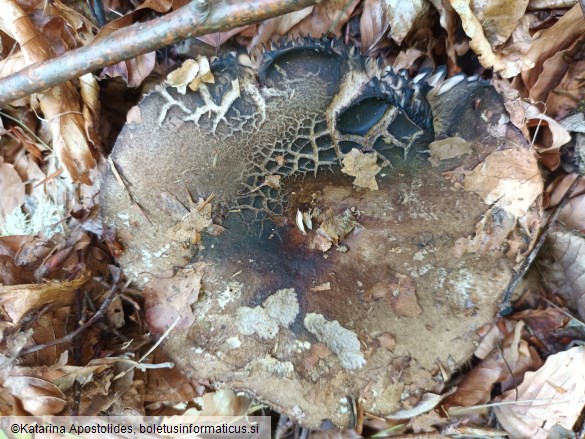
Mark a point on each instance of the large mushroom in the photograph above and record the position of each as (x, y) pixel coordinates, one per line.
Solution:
(334, 254)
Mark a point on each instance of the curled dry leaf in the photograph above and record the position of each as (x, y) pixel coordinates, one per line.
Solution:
(192, 73)
(12, 190)
(278, 26)
(216, 39)
(18, 300)
(373, 23)
(553, 394)
(448, 148)
(403, 16)
(507, 179)
(511, 183)
(545, 327)
(548, 133)
(325, 18)
(12, 64)
(449, 21)
(336, 227)
(172, 297)
(545, 46)
(515, 106)
(475, 388)
(90, 97)
(573, 214)
(167, 384)
(133, 71)
(363, 167)
(499, 18)
(561, 263)
(399, 17)
(36, 396)
(84, 28)
(563, 98)
(480, 44)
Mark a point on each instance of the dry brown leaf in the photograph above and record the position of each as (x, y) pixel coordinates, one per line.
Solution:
(363, 167)
(90, 97)
(538, 405)
(547, 134)
(133, 71)
(448, 148)
(499, 18)
(476, 386)
(494, 337)
(336, 227)
(19, 300)
(563, 99)
(279, 26)
(561, 263)
(216, 39)
(573, 214)
(449, 21)
(197, 220)
(12, 190)
(36, 396)
(167, 384)
(373, 24)
(402, 16)
(544, 326)
(110, 393)
(509, 179)
(12, 64)
(411, 57)
(547, 43)
(398, 17)
(47, 328)
(84, 28)
(515, 106)
(170, 298)
(326, 17)
(480, 44)
(192, 73)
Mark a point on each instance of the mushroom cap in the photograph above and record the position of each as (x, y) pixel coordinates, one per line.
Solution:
(336, 262)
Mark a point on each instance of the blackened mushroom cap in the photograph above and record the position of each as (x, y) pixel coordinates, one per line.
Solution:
(332, 262)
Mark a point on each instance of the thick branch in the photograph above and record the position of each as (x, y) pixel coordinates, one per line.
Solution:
(199, 17)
